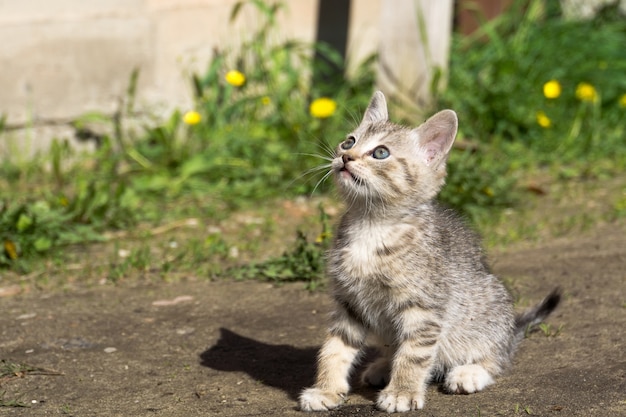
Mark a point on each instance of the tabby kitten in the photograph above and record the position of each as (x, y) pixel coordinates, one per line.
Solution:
(407, 276)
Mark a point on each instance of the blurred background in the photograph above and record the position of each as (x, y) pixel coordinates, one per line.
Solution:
(165, 139)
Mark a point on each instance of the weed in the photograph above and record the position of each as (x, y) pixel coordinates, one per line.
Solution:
(548, 331)
(620, 205)
(138, 260)
(526, 409)
(305, 262)
(546, 328)
(4, 402)
(479, 183)
(10, 370)
(257, 123)
(511, 87)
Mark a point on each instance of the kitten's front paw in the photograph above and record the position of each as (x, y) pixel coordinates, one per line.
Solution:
(467, 379)
(314, 399)
(393, 401)
(377, 373)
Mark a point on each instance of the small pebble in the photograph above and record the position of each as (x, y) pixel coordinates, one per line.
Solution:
(110, 350)
(185, 330)
(179, 299)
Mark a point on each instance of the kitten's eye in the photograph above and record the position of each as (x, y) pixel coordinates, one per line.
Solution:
(348, 143)
(380, 153)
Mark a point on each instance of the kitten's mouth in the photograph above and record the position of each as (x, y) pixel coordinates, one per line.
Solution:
(345, 173)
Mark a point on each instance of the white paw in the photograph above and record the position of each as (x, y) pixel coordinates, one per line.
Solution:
(393, 401)
(377, 373)
(314, 399)
(467, 379)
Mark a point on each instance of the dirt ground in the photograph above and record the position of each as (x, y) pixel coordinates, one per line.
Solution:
(247, 348)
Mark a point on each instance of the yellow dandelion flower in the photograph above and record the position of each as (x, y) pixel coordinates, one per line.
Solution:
(266, 101)
(322, 107)
(192, 118)
(552, 89)
(235, 78)
(586, 92)
(322, 237)
(543, 120)
(622, 101)
(10, 249)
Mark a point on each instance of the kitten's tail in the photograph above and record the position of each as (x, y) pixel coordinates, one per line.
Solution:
(535, 315)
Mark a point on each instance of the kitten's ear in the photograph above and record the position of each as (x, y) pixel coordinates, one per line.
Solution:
(376, 110)
(436, 136)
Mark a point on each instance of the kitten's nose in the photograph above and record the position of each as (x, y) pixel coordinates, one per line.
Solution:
(346, 158)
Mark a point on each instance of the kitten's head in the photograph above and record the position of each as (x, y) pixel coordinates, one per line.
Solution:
(391, 164)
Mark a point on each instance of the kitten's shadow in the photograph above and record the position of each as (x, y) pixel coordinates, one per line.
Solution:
(280, 366)
(285, 367)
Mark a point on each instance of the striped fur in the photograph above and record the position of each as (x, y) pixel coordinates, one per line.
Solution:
(407, 276)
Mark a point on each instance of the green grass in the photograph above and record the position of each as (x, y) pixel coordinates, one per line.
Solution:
(518, 409)
(304, 262)
(4, 402)
(497, 82)
(204, 192)
(10, 370)
(549, 331)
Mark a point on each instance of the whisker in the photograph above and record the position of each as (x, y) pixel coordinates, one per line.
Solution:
(316, 143)
(327, 148)
(352, 195)
(315, 170)
(323, 146)
(324, 178)
(311, 171)
(355, 117)
(315, 155)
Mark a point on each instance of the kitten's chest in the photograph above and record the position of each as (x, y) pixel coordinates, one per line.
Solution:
(373, 250)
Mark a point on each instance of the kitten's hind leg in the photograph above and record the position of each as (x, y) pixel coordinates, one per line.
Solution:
(467, 379)
(377, 373)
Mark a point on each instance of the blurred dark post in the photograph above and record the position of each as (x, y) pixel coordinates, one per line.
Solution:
(333, 18)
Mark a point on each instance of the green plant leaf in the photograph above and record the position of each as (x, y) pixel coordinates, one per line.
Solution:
(23, 222)
(42, 244)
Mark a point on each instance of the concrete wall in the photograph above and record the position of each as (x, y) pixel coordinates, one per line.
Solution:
(61, 58)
